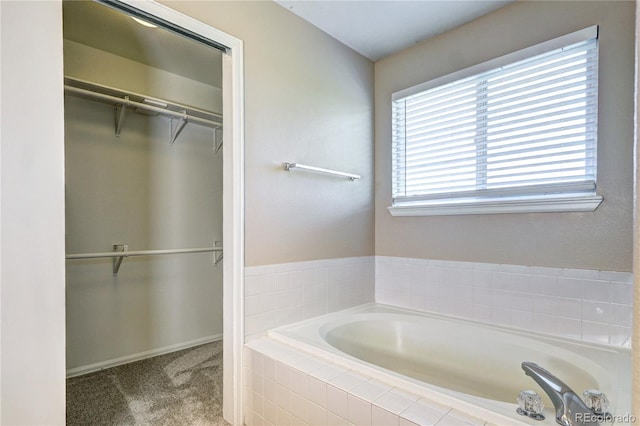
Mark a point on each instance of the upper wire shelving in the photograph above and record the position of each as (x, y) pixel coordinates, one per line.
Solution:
(125, 101)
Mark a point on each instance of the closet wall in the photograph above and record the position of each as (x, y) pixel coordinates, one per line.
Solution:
(141, 190)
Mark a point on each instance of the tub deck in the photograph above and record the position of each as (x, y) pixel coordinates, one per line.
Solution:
(288, 386)
(481, 363)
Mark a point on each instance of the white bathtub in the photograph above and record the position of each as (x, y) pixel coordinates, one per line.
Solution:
(465, 365)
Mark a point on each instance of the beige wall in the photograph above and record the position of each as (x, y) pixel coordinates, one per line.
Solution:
(598, 240)
(308, 99)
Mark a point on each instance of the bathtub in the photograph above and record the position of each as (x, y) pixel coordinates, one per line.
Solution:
(472, 367)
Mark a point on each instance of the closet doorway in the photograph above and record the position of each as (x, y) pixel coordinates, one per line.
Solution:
(145, 169)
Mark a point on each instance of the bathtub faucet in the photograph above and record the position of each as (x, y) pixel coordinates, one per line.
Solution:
(570, 409)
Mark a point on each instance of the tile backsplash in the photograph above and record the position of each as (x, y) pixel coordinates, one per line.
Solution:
(283, 293)
(589, 305)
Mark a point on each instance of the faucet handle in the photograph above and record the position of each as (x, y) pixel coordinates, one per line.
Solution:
(530, 404)
(596, 401)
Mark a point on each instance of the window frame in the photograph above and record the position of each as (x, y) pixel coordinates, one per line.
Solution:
(518, 201)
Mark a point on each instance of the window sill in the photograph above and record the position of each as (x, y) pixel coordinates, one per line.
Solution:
(543, 204)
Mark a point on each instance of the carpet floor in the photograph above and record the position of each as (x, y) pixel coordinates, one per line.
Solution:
(180, 388)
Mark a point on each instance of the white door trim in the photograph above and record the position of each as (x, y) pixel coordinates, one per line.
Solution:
(233, 199)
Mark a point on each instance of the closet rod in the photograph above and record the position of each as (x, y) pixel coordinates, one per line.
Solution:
(140, 253)
(127, 102)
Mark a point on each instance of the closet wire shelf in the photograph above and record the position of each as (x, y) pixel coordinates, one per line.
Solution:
(123, 101)
(120, 251)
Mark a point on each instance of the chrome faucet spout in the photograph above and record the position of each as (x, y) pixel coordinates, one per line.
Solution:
(570, 409)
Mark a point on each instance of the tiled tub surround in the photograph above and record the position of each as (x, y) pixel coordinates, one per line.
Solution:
(286, 386)
(281, 294)
(589, 305)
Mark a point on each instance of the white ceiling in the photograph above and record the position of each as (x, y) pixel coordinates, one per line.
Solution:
(380, 28)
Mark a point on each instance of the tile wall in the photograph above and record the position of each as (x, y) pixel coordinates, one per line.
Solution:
(589, 305)
(284, 293)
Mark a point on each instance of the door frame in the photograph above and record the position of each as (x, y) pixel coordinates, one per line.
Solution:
(233, 197)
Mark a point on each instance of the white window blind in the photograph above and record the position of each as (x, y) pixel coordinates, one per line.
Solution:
(525, 128)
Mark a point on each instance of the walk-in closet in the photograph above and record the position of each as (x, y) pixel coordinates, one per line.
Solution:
(143, 160)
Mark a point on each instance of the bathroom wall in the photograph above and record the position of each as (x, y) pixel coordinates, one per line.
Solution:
(32, 214)
(138, 189)
(601, 240)
(308, 99)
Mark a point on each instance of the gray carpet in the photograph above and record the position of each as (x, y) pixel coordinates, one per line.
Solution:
(180, 388)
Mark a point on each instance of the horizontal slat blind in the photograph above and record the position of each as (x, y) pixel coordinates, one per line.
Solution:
(529, 126)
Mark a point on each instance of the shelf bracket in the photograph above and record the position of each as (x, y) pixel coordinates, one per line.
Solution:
(217, 256)
(176, 129)
(117, 260)
(217, 139)
(120, 116)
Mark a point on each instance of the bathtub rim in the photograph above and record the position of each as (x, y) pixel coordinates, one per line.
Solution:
(498, 414)
(499, 327)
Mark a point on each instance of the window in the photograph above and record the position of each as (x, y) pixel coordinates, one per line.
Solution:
(517, 134)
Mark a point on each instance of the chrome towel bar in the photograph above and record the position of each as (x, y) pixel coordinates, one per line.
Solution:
(298, 166)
